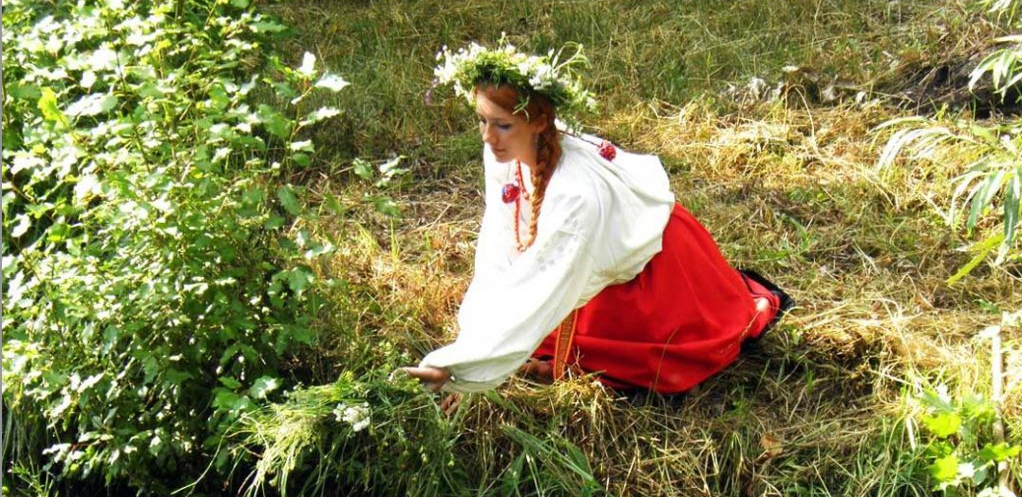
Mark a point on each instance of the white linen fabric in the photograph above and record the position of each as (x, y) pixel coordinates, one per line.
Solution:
(601, 222)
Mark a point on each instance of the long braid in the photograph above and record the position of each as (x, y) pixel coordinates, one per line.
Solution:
(547, 154)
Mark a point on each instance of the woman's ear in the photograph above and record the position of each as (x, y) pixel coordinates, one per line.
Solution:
(539, 123)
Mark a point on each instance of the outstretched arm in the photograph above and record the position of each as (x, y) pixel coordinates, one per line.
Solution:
(505, 316)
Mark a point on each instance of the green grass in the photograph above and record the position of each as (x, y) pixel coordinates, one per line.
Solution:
(819, 407)
(640, 52)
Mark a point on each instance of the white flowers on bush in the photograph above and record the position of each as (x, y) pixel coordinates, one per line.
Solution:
(355, 415)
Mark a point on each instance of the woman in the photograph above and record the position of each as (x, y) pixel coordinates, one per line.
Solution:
(584, 260)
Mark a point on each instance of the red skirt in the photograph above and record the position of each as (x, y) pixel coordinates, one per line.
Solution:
(680, 321)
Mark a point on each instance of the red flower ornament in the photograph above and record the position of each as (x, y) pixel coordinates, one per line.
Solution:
(510, 193)
(607, 150)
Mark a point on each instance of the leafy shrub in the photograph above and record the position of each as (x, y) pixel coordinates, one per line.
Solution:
(155, 275)
(959, 444)
(995, 170)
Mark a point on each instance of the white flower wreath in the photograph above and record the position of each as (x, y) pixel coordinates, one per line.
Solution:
(546, 75)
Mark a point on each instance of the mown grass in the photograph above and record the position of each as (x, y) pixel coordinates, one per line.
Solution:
(819, 407)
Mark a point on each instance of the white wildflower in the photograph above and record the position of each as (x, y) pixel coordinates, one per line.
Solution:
(966, 470)
(355, 415)
(998, 491)
(942, 393)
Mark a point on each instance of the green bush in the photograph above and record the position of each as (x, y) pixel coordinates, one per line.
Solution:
(958, 442)
(994, 171)
(155, 272)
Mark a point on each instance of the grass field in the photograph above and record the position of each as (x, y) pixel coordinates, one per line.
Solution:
(827, 404)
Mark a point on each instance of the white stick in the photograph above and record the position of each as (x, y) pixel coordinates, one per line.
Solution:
(996, 361)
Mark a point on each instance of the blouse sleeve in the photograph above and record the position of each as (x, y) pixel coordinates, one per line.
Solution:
(506, 314)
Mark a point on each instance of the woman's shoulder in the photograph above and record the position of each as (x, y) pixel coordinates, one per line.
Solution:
(615, 180)
(574, 172)
(575, 147)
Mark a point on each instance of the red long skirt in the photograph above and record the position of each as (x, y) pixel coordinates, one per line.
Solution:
(681, 320)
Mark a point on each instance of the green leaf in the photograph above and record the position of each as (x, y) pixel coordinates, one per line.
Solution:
(981, 249)
(333, 204)
(299, 279)
(981, 474)
(975, 407)
(177, 377)
(273, 222)
(151, 368)
(48, 106)
(945, 469)
(229, 382)
(1012, 208)
(318, 250)
(386, 206)
(263, 386)
(57, 232)
(301, 334)
(275, 122)
(363, 169)
(267, 27)
(225, 399)
(999, 452)
(253, 196)
(302, 159)
(943, 425)
(284, 90)
(288, 199)
(241, 4)
(389, 170)
(218, 96)
(25, 91)
(983, 197)
(987, 134)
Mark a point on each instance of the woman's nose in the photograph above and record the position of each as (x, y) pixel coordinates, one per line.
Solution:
(489, 136)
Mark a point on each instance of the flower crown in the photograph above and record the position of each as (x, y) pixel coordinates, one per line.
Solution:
(546, 75)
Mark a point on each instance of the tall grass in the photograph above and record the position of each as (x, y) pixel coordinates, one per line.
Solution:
(668, 51)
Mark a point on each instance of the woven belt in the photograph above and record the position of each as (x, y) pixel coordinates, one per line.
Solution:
(562, 348)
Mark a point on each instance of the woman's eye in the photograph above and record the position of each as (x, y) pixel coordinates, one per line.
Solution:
(501, 126)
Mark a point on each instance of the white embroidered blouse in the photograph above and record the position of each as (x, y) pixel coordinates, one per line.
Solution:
(600, 223)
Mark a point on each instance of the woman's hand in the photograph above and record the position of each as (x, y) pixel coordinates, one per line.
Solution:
(432, 378)
(451, 403)
(541, 371)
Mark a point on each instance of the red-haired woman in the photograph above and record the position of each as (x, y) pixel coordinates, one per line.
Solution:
(585, 262)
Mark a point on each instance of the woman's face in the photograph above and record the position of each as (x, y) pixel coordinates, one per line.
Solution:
(509, 135)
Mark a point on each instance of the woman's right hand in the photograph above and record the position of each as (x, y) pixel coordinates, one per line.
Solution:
(432, 378)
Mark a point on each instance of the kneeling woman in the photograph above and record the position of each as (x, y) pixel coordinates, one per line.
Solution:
(584, 260)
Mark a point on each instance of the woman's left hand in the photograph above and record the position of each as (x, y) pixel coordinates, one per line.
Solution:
(432, 378)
